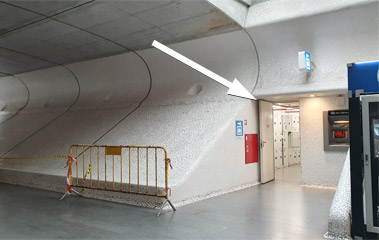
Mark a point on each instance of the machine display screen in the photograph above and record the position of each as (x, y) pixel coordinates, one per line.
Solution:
(336, 130)
(376, 137)
(340, 134)
(374, 148)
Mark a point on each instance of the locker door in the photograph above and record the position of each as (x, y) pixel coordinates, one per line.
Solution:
(251, 148)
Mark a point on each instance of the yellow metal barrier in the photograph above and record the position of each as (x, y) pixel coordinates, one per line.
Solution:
(92, 161)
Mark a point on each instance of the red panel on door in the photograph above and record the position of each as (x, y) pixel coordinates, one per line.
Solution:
(251, 148)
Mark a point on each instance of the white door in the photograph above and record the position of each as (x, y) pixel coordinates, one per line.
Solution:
(266, 133)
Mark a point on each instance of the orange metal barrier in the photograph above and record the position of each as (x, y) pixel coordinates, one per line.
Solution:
(101, 167)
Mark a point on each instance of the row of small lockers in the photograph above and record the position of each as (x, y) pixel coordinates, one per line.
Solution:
(286, 139)
(286, 157)
(286, 122)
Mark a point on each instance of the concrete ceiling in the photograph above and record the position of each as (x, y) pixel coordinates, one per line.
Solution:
(66, 36)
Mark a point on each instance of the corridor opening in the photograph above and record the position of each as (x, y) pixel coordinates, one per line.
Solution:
(286, 122)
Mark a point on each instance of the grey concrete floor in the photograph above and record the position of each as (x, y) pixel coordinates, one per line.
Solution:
(282, 209)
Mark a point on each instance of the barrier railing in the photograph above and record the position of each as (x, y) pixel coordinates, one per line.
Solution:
(101, 167)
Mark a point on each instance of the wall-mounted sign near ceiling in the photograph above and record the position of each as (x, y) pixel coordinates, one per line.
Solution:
(304, 61)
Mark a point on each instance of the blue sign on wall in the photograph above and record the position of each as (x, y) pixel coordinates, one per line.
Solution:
(308, 62)
(364, 76)
(239, 128)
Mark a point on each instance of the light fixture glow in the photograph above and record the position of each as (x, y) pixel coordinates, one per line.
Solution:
(341, 122)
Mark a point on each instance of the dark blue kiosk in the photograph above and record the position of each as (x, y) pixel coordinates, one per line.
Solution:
(363, 85)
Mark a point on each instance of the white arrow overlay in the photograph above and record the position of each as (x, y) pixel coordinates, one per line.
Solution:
(235, 88)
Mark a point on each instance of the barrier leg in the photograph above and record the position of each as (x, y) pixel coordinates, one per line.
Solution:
(68, 193)
(163, 204)
(65, 195)
(172, 205)
(77, 193)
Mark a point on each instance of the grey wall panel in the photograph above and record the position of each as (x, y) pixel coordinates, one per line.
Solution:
(13, 94)
(53, 88)
(20, 127)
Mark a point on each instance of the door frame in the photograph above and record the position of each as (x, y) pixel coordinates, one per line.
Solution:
(262, 142)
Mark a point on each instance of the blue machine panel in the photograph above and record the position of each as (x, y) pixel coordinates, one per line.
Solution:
(364, 76)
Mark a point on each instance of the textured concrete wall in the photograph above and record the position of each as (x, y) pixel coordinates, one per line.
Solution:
(319, 167)
(339, 223)
(223, 168)
(333, 40)
(186, 112)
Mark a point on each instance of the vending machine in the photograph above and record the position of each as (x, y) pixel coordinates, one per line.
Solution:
(370, 129)
(363, 82)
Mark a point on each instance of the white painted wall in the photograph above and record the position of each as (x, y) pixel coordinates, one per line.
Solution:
(333, 39)
(335, 33)
(187, 113)
(319, 167)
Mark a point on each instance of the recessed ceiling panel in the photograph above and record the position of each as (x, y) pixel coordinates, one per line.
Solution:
(11, 62)
(57, 43)
(134, 7)
(198, 26)
(11, 17)
(92, 14)
(123, 25)
(43, 30)
(37, 49)
(143, 39)
(85, 52)
(72, 39)
(49, 7)
(175, 11)
(134, 24)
